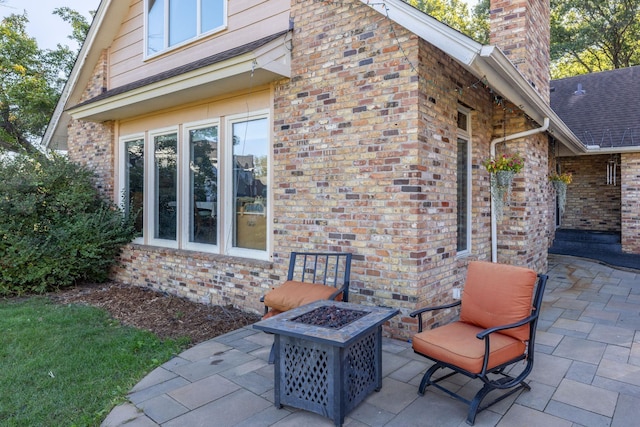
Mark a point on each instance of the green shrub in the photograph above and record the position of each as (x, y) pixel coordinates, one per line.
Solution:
(55, 230)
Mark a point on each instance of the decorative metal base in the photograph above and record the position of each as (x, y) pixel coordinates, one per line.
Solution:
(327, 379)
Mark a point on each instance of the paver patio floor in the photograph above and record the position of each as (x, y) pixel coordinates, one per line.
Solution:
(587, 371)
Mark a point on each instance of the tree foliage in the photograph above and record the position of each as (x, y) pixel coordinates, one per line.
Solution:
(594, 35)
(456, 14)
(31, 80)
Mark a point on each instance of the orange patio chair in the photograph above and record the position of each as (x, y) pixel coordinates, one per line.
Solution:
(496, 329)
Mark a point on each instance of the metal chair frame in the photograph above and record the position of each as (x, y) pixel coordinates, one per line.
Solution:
(504, 381)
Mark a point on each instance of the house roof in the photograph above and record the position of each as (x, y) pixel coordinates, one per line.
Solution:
(601, 108)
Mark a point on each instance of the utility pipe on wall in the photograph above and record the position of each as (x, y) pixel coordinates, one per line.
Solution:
(492, 148)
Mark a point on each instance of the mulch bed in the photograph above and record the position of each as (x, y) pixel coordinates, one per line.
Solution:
(168, 316)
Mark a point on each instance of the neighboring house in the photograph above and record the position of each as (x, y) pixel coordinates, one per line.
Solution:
(602, 109)
(265, 127)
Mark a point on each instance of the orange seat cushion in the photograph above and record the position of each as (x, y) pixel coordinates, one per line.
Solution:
(457, 344)
(498, 294)
(292, 294)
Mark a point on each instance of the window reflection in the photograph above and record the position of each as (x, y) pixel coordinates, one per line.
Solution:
(134, 182)
(165, 161)
(462, 195)
(250, 179)
(212, 14)
(204, 185)
(182, 20)
(155, 27)
(171, 22)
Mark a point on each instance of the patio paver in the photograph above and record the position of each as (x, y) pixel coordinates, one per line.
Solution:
(587, 371)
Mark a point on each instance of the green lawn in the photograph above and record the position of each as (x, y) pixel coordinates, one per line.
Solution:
(68, 365)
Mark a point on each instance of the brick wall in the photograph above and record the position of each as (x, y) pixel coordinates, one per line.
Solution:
(92, 144)
(521, 29)
(365, 157)
(201, 277)
(591, 203)
(630, 213)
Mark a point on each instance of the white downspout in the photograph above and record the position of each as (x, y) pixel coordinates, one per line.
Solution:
(492, 148)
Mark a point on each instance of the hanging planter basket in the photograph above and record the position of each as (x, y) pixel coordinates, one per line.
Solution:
(560, 182)
(504, 178)
(501, 183)
(502, 170)
(561, 192)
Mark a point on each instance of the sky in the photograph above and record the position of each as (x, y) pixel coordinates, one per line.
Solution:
(48, 29)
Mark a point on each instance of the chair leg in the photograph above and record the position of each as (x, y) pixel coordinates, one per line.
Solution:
(474, 406)
(426, 378)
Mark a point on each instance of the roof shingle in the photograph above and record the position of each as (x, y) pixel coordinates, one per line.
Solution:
(601, 108)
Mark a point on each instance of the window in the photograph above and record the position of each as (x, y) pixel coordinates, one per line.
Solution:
(172, 22)
(463, 173)
(249, 183)
(133, 180)
(165, 187)
(205, 187)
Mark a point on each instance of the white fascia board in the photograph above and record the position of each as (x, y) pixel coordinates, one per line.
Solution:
(265, 64)
(455, 44)
(505, 79)
(275, 56)
(238, 65)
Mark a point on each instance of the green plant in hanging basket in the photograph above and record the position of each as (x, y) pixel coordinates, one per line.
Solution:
(560, 182)
(566, 177)
(502, 170)
(506, 162)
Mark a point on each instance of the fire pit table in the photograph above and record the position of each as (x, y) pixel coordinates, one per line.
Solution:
(328, 355)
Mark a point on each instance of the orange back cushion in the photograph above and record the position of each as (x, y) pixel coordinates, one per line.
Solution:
(498, 294)
(292, 294)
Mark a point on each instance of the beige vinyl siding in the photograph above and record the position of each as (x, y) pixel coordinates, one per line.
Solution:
(248, 20)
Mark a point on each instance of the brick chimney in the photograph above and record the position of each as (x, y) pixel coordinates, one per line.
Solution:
(521, 29)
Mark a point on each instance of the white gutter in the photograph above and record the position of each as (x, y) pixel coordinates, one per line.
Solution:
(492, 148)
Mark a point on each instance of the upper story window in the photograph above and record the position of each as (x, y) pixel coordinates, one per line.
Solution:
(172, 22)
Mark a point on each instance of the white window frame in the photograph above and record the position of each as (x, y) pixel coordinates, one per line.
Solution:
(150, 178)
(465, 134)
(227, 182)
(183, 172)
(199, 33)
(122, 176)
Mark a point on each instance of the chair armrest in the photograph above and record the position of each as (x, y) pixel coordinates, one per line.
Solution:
(483, 334)
(426, 309)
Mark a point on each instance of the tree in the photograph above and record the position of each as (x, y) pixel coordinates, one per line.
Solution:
(31, 80)
(456, 14)
(594, 35)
